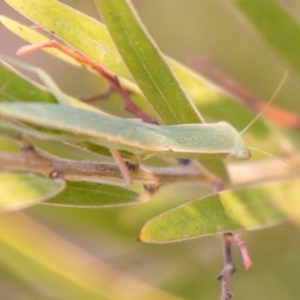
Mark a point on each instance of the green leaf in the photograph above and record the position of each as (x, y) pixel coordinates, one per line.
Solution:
(34, 36)
(86, 34)
(21, 190)
(14, 87)
(93, 195)
(275, 24)
(146, 64)
(247, 208)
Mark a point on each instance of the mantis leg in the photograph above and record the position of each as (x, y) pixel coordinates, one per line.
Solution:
(122, 166)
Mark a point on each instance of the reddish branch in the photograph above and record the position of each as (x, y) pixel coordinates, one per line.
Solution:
(111, 79)
(229, 268)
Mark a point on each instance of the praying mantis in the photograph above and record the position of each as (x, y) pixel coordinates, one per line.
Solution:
(144, 139)
(188, 141)
(191, 141)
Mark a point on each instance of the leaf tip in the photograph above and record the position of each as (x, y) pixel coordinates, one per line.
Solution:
(143, 237)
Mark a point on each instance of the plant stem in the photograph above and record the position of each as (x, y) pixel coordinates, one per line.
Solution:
(228, 268)
(32, 160)
(241, 174)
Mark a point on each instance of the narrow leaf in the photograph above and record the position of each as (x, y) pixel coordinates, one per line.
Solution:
(77, 28)
(146, 64)
(278, 27)
(21, 190)
(248, 208)
(93, 195)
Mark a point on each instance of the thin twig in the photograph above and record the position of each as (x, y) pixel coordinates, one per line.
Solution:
(86, 170)
(100, 97)
(31, 160)
(228, 268)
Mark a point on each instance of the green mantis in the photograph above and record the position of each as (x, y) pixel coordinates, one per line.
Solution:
(190, 141)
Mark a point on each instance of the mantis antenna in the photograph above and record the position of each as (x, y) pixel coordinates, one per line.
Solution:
(282, 81)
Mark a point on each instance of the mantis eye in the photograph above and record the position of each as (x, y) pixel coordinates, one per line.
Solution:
(242, 154)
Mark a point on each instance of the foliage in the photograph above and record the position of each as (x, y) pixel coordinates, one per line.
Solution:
(170, 92)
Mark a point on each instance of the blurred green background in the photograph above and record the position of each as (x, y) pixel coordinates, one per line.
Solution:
(88, 241)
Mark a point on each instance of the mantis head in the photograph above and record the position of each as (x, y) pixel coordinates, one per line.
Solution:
(241, 154)
(240, 150)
